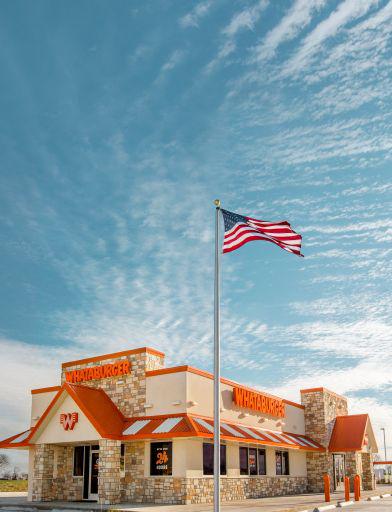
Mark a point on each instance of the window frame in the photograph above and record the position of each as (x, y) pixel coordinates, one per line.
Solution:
(83, 450)
(264, 451)
(256, 465)
(123, 449)
(223, 471)
(284, 462)
(258, 451)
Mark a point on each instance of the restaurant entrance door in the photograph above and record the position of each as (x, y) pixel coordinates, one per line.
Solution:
(339, 470)
(93, 487)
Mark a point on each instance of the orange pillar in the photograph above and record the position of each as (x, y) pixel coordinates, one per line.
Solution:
(346, 488)
(357, 487)
(327, 487)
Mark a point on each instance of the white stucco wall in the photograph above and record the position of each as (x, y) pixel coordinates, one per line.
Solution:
(188, 388)
(39, 404)
(53, 432)
(165, 389)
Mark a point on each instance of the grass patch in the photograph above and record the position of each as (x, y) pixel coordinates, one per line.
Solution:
(13, 485)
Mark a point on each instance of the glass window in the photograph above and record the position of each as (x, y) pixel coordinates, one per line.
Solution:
(122, 458)
(78, 461)
(282, 463)
(243, 460)
(161, 459)
(252, 461)
(262, 462)
(208, 459)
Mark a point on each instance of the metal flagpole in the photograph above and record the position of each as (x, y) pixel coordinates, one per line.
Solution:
(217, 362)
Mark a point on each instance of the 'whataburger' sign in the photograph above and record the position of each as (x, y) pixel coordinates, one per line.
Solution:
(98, 372)
(258, 402)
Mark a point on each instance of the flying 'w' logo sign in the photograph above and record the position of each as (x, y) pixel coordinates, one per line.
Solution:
(68, 420)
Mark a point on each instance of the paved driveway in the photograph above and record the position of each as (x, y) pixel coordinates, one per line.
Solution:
(279, 504)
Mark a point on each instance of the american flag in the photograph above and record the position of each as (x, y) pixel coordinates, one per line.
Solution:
(240, 230)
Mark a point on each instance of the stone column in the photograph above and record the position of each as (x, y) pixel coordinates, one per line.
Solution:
(368, 479)
(59, 473)
(42, 486)
(321, 408)
(109, 476)
(135, 485)
(353, 466)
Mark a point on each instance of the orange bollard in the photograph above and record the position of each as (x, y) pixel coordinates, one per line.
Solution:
(357, 487)
(346, 488)
(327, 487)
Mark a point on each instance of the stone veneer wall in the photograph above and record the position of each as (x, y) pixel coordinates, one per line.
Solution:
(42, 488)
(109, 487)
(172, 490)
(321, 408)
(318, 465)
(66, 487)
(137, 488)
(368, 478)
(128, 392)
(353, 466)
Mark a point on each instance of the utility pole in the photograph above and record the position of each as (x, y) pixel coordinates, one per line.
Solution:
(385, 446)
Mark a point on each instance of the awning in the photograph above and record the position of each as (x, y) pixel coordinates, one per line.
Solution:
(17, 440)
(352, 433)
(158, 427)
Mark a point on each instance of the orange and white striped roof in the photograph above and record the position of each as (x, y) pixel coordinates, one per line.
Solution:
(186, 425)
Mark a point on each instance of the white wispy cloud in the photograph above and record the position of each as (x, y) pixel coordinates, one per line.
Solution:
(192, 18)
(289, 27)
(245, 19)
(174, 59)
(345, 13)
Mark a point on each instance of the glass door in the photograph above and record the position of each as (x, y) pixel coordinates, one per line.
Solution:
(339, 468)
(94, 463)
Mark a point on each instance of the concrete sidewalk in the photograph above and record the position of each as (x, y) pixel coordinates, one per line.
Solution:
(295, 503)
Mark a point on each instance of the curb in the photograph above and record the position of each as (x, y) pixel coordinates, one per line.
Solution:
(387, 495)
(345, 503)
(373, 498)
(325, 507)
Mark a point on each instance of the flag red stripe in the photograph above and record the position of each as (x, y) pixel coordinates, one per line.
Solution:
(252, 238)
(249, 229)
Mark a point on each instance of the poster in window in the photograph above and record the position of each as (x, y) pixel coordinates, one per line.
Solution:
(278, 456)
(252, 461)
(161, 459)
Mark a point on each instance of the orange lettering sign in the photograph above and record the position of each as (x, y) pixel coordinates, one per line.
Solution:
(98, 372)
(258, 402)
(162, 458)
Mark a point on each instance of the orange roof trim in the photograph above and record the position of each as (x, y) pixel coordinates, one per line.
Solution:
(45, 390)
(208, 375)
(141, 350)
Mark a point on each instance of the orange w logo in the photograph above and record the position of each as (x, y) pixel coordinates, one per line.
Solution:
(68, 420)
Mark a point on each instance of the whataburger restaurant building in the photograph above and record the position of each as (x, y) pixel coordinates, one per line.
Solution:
(123, 428)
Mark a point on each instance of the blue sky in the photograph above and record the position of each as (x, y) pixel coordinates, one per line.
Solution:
(121, 123)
